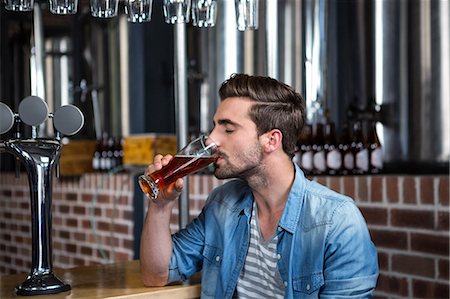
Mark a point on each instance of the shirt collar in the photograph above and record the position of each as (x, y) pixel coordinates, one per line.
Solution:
(291, 214)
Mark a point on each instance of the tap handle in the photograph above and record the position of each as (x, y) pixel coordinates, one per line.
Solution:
(68, 120)
(33, 111)
(6, 118)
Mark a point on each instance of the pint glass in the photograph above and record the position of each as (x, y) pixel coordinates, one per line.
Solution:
(195, 156)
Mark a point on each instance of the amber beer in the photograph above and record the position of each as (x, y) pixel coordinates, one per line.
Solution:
(178, 167)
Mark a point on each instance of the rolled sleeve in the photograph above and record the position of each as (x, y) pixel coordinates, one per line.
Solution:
(351, 260)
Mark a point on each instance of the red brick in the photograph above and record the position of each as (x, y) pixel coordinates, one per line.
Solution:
(64, 234)
(103, 198)
(349, 186)
(415, 265)
(121, 228)
(6, 193)
(121, 256)
(443, 221)
(72, 222)
(389, 239)
(123, 200)
(86, 197)
(112, 242)
(383, 260)
(79, 236)
(86, 224)
(334, 183)
(412, 218)
(71, 248)
(110, 213)
(79, 210)
(127, 215)
(79, 262)
(71, 196)
(375, 215)
(97, 211)
(128, 244)
(428, 289)
(104, 226)
(376, 189)
(393, 285)
(392, 192)
(86, 250)
(443, 191)
(409, 190)
(443, 268)
(64, 209)
(363, 189)
(430, 244)
(426, 190)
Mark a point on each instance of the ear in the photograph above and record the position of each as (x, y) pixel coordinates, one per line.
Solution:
(273, 140)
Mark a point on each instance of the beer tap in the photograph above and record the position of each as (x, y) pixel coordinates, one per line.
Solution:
(39, 156)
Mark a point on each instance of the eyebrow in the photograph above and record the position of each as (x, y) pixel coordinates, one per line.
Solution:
(226, 121)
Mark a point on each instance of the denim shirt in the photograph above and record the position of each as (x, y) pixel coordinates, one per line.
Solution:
(324, 247)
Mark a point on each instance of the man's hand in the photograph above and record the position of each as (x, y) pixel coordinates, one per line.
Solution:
(173, 190)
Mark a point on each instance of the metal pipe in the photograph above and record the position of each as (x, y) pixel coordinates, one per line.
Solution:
(272, 38)
(38, 86)
(181, 110)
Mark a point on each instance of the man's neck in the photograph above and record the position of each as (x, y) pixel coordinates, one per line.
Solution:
(270, 190)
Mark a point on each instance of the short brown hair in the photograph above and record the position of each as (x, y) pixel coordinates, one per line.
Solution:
(278, 106)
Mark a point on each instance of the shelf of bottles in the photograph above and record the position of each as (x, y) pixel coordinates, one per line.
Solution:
(323, 151)
(108, 154)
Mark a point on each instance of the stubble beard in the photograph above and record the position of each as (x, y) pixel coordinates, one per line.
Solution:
(247, 165)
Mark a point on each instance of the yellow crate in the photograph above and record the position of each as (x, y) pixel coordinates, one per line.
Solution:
(140, 149)
(76, 157)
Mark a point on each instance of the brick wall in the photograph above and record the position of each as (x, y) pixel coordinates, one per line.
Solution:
(92, 221)
(408, 218)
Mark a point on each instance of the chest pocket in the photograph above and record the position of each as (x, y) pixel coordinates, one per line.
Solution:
(308, 284)
(212, 254)
(212, 259)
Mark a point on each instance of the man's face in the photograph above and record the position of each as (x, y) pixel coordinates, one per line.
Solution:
(239, 149)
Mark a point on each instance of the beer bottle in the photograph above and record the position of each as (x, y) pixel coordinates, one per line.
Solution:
(360, 149)
(110, 154)
(375, 150)
(348, 158)
(118, 151)
(319, 163)
(104, 154)
(333, 156)
(306, 152)
(97, 155)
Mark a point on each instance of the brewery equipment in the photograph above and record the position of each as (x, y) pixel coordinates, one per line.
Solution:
(39, 156)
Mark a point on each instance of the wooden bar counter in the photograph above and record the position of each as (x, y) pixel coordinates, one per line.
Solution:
(120, 280)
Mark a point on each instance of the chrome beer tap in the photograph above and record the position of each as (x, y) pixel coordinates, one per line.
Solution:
(39, 156)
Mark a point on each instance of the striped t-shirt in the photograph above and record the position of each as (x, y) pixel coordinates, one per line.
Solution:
(260, 277)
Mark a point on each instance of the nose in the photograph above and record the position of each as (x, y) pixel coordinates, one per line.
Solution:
(213, 138)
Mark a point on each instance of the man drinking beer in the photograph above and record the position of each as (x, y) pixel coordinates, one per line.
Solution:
(270, 232)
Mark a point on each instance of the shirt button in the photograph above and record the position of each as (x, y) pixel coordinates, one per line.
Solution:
(217, 258)
(308, 287)
(278, 256)
(285, 283)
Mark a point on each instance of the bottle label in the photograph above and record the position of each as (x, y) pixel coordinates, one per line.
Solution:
(319, 161)
(376, 158)
(362, 160)
(307, 160)
(349, 161)
(95, 163)
(334, 159)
